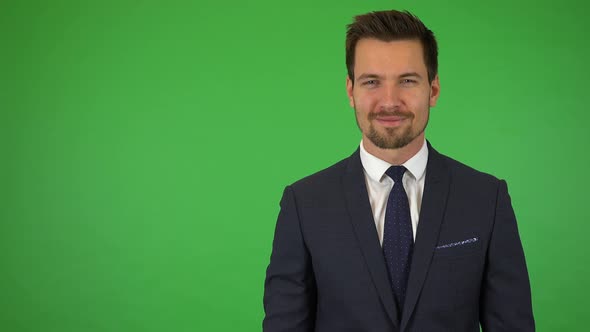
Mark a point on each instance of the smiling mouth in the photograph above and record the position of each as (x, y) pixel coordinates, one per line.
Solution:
(391, 121)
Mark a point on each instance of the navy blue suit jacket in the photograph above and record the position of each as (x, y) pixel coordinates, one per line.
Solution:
(327, 271)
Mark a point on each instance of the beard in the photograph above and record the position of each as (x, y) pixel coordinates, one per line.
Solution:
(393, 138)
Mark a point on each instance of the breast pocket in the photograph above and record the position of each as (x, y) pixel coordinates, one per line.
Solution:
(464, 260)
(456, 249)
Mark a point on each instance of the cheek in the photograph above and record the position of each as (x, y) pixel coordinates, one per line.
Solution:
(413, 96)
(418, 100)
(365, 103)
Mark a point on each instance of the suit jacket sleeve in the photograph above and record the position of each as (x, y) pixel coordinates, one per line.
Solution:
(289, 288)
(505, 294)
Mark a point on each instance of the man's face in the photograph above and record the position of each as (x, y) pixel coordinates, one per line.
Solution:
(391, 94)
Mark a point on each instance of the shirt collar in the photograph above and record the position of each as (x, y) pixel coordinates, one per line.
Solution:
(375, 167)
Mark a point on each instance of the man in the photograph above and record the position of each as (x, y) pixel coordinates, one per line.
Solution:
(397, 237)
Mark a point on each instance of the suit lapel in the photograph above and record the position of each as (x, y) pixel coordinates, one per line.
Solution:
(434, 199)
(361, 217)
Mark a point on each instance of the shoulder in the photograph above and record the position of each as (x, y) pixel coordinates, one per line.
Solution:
(325, 190)
(467, 176)
(324, 179)
(460, 169)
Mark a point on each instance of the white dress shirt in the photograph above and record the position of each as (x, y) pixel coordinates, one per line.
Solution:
(379, 185)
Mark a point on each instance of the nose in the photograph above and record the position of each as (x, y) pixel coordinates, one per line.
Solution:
(391, 99)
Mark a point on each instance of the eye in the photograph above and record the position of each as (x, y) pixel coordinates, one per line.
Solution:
(408, 82)
(370, 82)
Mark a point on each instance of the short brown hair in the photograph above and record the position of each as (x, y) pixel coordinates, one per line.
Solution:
(390, 25)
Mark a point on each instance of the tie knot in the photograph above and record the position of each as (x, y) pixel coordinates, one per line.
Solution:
(396, 173)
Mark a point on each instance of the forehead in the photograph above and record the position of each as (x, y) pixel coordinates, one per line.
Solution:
(392, 56)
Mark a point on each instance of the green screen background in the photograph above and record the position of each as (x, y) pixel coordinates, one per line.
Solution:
(145, 146)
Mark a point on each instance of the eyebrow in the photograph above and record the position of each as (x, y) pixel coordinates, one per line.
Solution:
(411, 74)
(368, 75)
(372, 76)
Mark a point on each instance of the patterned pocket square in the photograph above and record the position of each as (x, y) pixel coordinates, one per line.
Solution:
(460, 243)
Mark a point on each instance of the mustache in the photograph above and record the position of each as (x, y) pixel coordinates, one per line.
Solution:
(374, 115)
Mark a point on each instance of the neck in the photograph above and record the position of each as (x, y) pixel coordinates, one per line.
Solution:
(395, 156)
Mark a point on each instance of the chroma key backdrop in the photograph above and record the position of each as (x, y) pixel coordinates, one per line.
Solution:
(145, 145)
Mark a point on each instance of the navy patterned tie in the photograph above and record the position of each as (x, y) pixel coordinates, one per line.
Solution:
(398, 241)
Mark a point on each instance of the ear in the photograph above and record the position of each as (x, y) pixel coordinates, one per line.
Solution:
(434, 91)
(349, 86)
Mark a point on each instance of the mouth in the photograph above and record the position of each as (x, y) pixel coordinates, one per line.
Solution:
(391, 120)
